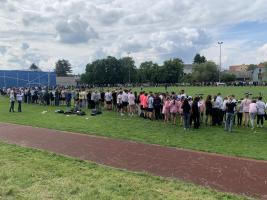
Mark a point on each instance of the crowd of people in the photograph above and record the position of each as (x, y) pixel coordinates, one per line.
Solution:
(187, 111)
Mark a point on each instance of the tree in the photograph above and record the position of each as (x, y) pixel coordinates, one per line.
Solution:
(113, 71)
(110, 71)
(205, 72)
(63, 68)
(128, 68)
(198, 59)
(146, 71)
(226, 77)
(172, 71)
(34, 67)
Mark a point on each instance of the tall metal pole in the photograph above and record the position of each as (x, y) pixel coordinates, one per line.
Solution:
(220, 68)
(129, 68)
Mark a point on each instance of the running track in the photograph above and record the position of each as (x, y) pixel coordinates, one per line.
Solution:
(227, 174)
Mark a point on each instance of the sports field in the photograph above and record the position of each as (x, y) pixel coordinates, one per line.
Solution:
(38, 175)
(243, 142)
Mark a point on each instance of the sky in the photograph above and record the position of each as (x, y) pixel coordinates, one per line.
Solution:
(81, 31)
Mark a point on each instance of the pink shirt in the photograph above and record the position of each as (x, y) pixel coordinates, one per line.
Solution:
(166, 107)
(253, 108)
(174, 106)
(246, 104)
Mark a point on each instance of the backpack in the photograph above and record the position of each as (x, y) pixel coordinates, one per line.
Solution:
(81, 113)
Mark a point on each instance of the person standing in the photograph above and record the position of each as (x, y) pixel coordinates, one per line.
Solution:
(119, 103)
(150, 106)
(125, 101)
(186, 114)
(174, 109)
(245, 105)
(157, 106)
(218, 109)
(108, 100)
(252, 113)
(208, 113)
(260, 112)
(230, 106)
(12, 101)
(19, 100)
(131, 99)
(196, 113)
(239, 110)
(166, 109)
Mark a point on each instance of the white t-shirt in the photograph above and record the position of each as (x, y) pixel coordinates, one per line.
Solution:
(261, 107)
(124, 97)
(131, 99)
(108, 96)
(19, 97)
(119, 99)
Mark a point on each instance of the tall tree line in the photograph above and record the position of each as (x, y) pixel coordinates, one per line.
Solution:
(121, 71)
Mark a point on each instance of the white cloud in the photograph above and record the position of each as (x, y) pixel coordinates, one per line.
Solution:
(75, 30)
(81, 30)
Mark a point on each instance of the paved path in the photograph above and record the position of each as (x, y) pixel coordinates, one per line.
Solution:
(227, 174)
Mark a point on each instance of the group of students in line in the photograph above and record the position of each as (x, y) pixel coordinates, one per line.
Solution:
(191, 112)
(169, 107)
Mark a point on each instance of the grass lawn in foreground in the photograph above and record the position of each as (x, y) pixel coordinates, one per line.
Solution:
(243, 142)
(31, 174)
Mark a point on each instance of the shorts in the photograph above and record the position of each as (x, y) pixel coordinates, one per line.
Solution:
(119, 105)
(108, 102)
(124, 104)
(150, 109)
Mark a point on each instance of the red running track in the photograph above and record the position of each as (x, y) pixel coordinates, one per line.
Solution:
(227, 174)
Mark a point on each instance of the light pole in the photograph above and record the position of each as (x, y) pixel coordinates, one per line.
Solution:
(129, 67)
(220, 43)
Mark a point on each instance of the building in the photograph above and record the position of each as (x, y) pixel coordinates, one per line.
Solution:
(20, 78)
(68, 80)
(259, 74)
(238, 68)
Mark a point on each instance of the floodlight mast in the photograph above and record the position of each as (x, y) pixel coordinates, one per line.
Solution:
(220, 67)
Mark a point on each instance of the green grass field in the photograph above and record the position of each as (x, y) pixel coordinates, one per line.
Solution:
(193, 90)
(243, 142)
(30, 175)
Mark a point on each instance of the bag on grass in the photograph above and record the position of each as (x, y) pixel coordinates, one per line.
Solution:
(59, 111)
(68, 113)
(81, 113)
